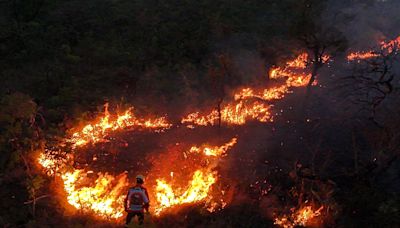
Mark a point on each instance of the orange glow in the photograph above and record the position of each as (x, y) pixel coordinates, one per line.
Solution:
(326, 58)
(302, 217)
(97, 131)
(392, 45)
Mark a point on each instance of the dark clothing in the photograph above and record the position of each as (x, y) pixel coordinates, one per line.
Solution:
(131, 215)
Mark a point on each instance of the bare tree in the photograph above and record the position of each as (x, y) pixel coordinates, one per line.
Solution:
(371, 81)
(319, 37)
(218, 75)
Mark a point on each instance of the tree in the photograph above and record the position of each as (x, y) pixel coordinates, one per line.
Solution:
(371, 81)
(319, 37)
(219, 74)
(20, 139)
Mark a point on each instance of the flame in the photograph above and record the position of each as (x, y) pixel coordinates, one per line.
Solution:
(50, 162)
(97, 131)
(232, 114)
(299, 62)
(274, 93)
(361, 55)
(238, 112)
(302, 217)
(385, 47)
(196, 191)
(391, 45)
(104, 197)
(198, 188)
(215, 151)
(196, 118)
(293, 71)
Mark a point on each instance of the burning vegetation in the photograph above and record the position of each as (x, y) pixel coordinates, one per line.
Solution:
(104, 197)
(230, 118)
(102, 194)
(304, 216)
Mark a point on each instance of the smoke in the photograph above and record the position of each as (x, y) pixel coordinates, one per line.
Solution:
(365, 22)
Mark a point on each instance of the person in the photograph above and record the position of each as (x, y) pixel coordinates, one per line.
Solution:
(137, 201)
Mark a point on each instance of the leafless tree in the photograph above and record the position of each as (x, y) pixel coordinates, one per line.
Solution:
(371, 81)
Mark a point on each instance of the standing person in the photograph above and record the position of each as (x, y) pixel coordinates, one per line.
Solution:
(136, 201)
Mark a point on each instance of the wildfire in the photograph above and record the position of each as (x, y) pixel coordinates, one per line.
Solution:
(104, 197)
(104, 194)
(97, 131)
(241, 110)
(302, 217)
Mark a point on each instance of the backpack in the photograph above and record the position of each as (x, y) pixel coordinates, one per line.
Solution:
(136, 198)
